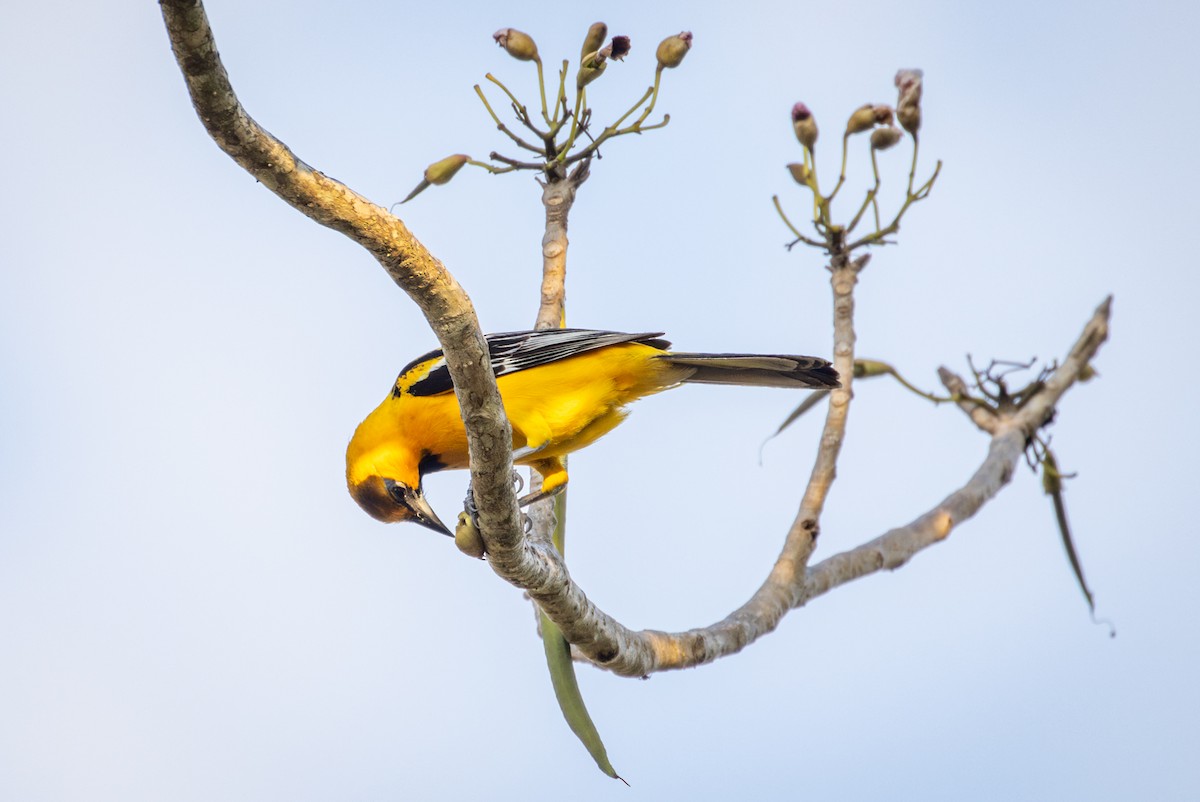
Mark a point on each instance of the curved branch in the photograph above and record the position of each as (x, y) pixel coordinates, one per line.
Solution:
(529, 564)
(890, 550)
(1009, 436)
(329, 202)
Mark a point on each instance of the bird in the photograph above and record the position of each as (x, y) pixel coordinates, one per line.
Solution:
(562, 390)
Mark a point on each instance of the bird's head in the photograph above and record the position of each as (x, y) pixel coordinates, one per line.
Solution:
(392, 501)
(384, 477)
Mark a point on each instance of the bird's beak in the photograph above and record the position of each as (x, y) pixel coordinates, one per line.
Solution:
(424, 514)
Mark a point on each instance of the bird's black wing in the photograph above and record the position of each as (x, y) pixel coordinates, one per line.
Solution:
(512, 351)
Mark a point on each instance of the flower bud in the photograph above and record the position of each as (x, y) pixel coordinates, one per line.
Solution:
(883, 138)
(801, 172)
(868, 368)
(617, 49)
(440, 172)
(883, 114)
(671, 50)
(594, 39)
(590, 68)
(909, 84)
(863, 119)
(908, 107)
(518, 44)
(805, 125)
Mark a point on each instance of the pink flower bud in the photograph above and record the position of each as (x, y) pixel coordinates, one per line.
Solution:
(517, 44)
(671, 50)
(908, 107)
(805, 126)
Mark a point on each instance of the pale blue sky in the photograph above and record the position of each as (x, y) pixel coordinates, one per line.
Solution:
(192, 607)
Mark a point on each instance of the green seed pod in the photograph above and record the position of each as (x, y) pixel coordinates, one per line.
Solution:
(518, 44)
(866, 368)
(671, 50)
(440, 172)
(594, 39)
(863, 119)
(884, 138)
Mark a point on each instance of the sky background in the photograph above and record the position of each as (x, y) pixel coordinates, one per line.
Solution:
(193, 608)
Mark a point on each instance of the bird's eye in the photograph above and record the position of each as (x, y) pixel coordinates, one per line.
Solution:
(396, 491)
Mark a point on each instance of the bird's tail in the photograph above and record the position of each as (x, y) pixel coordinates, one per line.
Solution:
(764, 370)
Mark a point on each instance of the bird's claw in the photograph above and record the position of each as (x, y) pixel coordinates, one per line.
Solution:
(472, 511)
(469, 507)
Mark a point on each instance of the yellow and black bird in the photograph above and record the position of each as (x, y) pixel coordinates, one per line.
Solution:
(562, 390)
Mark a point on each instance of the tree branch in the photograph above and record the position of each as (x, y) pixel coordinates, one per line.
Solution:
(444, 303)
(1009, 436)
(528, 563)
(557, 198)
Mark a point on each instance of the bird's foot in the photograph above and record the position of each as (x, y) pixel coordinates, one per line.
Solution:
(539, 495)
(467, 536)
(472, 510)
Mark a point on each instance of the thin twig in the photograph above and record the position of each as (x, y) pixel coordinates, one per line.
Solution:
(504, 128)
